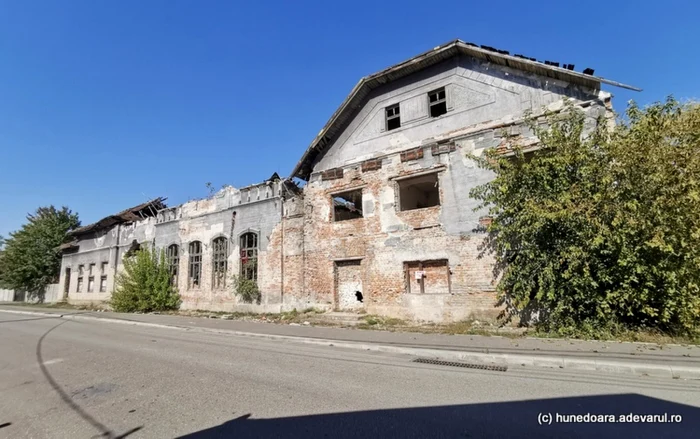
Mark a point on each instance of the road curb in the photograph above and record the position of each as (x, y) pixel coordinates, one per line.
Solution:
(517, 360)
(33, 313)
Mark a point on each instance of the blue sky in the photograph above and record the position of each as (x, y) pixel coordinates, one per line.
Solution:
(104, 104)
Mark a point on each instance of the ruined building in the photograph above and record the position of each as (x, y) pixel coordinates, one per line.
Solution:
(384, 222)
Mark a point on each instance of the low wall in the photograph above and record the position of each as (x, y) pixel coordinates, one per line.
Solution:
(51, 294)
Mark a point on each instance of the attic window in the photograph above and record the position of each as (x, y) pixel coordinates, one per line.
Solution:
(393, 117)
(347, 205)
(419, 192)
(438, 102)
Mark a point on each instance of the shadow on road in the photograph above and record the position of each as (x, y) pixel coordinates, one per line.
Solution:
(507, 419)
(103, 430)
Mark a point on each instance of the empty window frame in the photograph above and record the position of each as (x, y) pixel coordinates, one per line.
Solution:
(103, 284)
(220, 262)
(393, 117)
(79, 285)
(438, 102)
(91, 283)
(427, 277)
(195, 266)
(347, 205)
(249, 256)
(91, 269)
(81, 268)
(419, 192)
(103, 267)
(173, 257)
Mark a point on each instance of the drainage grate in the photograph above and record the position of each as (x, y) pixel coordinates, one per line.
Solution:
(467, 365)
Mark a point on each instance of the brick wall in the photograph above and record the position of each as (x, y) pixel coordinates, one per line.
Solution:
(385, 238)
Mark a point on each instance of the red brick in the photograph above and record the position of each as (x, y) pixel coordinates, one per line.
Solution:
(332, 174)
(371, 165)
(413, 154)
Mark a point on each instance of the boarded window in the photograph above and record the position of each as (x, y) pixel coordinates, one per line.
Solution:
(419, 192)
(103, 284)
(438, 102)
(348, 284)
(220, 263)
(173, 257)
(427, 277)
(347, 206)
(249, 256)
(195, 266)
(393, 117)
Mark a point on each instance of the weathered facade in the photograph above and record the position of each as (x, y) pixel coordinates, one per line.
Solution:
(204, 240)
(384, 223)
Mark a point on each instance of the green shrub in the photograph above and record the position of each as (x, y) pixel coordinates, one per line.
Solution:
(247, 289)
(145, 284)
(598, 232)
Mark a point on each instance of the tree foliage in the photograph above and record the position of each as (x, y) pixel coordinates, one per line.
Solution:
(600, 228)
(145, 284)
(30, 257)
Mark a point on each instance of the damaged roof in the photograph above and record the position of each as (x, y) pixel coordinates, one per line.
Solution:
(354, 100)
(144, 210)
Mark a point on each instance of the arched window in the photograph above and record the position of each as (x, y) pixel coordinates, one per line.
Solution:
(220, 263)
(195, 271)
(173, 258)
(249, 256)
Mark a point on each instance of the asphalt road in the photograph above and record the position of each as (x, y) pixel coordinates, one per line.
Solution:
(82, 379)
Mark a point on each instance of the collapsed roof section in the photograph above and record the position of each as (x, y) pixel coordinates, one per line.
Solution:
(353, 102)
(133, 214)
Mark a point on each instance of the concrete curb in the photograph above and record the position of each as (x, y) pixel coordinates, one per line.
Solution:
(518, 360)
(33, 313)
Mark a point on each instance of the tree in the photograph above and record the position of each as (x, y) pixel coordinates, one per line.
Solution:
(30, 259)
(145, 284)
(600, 231)
(2, 246)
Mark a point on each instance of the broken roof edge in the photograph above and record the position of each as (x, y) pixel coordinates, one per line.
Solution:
(464, 47)
(141, 211)
(286, 183)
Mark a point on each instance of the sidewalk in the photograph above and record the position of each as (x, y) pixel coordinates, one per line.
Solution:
(622, 357)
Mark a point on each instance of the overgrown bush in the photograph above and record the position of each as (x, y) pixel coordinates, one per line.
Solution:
(247, 289)
(145, 284)
(600, 231)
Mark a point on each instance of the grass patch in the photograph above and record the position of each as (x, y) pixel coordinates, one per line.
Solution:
(638, 336)
(379, 321)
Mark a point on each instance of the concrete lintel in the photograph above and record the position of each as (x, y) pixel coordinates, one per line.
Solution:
(350, 258)
(419, 173)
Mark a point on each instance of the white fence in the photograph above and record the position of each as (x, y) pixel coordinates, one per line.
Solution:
(51, 294)
(7, 295)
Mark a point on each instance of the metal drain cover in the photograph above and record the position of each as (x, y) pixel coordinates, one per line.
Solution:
(457, 364)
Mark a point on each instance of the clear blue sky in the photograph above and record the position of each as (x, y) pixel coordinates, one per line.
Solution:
(106, 103)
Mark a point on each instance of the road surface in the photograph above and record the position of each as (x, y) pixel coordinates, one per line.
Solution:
(81, 379)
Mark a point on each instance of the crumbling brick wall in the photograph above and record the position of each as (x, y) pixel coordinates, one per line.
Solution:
(385, 238)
